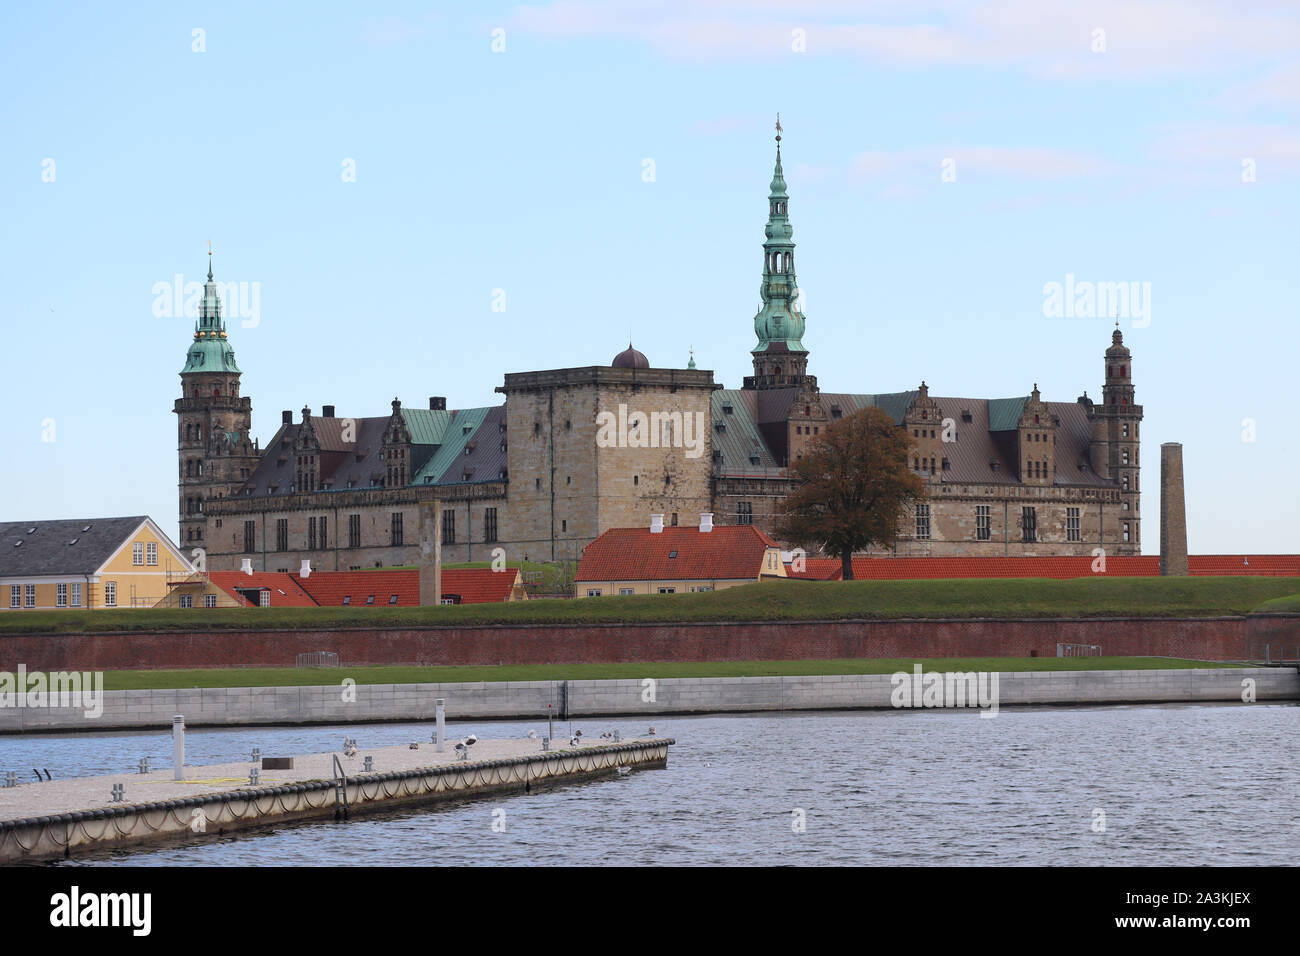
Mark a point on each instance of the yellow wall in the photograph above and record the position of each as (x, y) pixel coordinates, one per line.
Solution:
(142, 585)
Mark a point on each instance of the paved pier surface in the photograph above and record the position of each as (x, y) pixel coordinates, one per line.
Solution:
(93, 793)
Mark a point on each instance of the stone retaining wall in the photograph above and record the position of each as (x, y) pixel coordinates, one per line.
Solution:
(225, 706)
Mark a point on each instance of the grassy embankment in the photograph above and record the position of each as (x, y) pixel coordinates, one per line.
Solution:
(314, 676)
(769, 601)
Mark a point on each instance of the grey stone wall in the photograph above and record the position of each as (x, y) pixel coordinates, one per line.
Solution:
(233, 706)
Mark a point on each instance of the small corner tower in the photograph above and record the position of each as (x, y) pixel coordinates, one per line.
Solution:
(1115, 424)
(216, 455)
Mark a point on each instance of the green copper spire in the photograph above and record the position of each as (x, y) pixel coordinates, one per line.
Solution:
(779, 324)
(210, 351)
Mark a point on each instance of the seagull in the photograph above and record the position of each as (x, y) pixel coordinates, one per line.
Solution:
(532, 735)
(414, 745)
(574, 741)
(471, 740)
(606, 736)
(349, 749)
(650, 732)
(624, 771)
(577, 733)
(462, 749)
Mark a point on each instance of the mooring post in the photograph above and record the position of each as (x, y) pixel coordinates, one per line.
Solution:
(440, 714)
(178, 747)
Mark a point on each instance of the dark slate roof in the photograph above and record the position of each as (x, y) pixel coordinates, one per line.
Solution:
(739, 438)
(438, 441)
(50, 549)
(758, 420)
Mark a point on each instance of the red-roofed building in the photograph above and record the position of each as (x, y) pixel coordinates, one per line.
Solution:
(401, 588)
(676, 560)
(877, 569)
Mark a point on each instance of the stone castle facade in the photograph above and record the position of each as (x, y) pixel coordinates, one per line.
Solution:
(573, 452)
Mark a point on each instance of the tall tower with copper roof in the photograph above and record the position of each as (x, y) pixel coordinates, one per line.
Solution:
(780, 359)
(215, 453)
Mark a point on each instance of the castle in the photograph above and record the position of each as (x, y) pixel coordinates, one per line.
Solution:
(573, 452)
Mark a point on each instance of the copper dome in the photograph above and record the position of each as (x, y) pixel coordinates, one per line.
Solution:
(630, 358)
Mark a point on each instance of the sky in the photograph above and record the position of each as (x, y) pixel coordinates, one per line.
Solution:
(415, 199)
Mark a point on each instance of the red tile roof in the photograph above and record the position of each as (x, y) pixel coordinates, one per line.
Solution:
(479, 585)
(1146, 565)
(285, 591)
(727, 553)
(472, 585)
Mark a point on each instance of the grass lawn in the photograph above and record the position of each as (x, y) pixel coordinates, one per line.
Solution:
(310, 676)
(768, 601)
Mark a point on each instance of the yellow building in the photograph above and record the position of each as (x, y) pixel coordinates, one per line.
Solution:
(676, 560)
(86, 563)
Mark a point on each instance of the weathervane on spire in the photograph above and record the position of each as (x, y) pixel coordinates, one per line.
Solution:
(209, 258)
(778, 130)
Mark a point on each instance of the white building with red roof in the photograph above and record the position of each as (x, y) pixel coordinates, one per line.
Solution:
(676, 560)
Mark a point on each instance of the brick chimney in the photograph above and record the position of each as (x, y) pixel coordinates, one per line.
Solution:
(656, 524)
(430, 553)
(1173, 512)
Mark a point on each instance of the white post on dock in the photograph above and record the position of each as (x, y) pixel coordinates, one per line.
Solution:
(440, 713)
(178, 747)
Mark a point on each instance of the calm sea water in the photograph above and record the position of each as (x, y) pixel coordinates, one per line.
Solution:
(1183, 784)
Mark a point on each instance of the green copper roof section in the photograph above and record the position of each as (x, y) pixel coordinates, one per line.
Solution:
(736, 434)
(459, 431)
(427, 425)
(895, 404)
(211, 350)
(1004, 413)
(779, 323)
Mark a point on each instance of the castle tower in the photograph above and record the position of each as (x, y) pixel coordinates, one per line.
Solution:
(780, 360)
(1114, 448)
(215, 453)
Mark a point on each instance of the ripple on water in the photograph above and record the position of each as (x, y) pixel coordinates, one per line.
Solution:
(1179, 785)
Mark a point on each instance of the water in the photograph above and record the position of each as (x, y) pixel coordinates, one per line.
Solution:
(1179, 785)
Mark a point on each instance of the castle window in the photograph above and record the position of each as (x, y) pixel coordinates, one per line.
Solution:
(354, 531)
(250, 537)
(1123, 431)
(745, 512)
(1126, 531)
(564, 525)
(982, 530)
(636, 479)
(537, 484)
(311, 534)
(923, 521)
(397, 529)
(1028, 525)
(674, 519)
(1072, 524)
(1123, 457)
(1124, 482)
(282, 534)
(489, 524)
(449, 527)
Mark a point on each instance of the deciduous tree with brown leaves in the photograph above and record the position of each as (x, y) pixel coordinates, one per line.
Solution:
(853, 487)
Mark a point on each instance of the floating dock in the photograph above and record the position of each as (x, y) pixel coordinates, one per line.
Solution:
(60, 817)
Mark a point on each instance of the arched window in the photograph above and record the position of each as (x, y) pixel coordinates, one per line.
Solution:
(216, 391)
